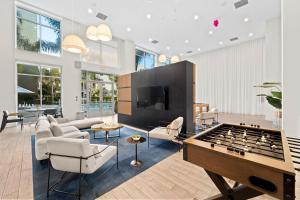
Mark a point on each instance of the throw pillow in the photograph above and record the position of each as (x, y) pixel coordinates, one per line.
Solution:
(51, 119)
(56, 129)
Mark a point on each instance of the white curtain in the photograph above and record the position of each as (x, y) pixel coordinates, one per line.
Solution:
(225, 77)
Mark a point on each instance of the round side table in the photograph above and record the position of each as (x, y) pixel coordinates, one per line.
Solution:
(136, 162)
(106, 128)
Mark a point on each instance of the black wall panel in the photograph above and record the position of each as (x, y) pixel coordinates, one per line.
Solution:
(178, 79)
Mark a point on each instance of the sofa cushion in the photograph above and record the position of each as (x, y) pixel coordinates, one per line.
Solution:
(83, 123)
(95, 150)
(51, 119)
(43, 122)
(68, 129)
(56, 130)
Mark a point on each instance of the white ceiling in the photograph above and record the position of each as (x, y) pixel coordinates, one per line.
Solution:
(172, 21)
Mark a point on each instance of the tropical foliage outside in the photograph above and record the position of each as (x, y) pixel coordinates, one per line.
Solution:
(34, 32)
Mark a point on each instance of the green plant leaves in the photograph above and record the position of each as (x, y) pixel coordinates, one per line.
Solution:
(276, 94)
(274, 102)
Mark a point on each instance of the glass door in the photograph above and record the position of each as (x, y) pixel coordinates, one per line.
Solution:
(100, 98)
(107, 98)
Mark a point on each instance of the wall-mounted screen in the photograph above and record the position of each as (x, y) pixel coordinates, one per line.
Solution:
(154, 98)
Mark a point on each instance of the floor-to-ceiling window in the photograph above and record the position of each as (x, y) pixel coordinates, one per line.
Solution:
(37, 33)
(144, 60)
(98, 93)
(38, 86)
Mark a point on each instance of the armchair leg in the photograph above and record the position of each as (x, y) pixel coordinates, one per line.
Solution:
(48, 186)
(148, 139)
(79, 182)
(117, 154)
(22, 125)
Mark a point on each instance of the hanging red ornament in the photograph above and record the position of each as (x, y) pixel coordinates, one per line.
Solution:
(216, 23)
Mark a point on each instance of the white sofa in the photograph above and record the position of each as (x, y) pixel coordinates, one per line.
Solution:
(45, 131)
(80, 124)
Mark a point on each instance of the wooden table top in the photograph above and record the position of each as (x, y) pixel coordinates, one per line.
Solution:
(131, 141)
(106, 127)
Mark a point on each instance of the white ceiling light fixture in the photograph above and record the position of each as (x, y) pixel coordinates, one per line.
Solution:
(199, 49)
(250, 34)
(148, 16)
(210, 32)
(90, 10)
(196, 17)
(246, 19)
(186, 41)
(150, 39)
(91, 33)
(104, 33)
(162, 58)
(221, 43)
(168, 48)
(128, 29)
(174, 59)
(72, 42)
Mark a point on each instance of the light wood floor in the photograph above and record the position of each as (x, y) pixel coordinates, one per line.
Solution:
(171, 178)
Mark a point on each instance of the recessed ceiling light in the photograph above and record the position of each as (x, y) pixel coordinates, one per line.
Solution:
(150, 39)
(196, 17)
(148, 16)
(186, 41)
(90, 11)
(221, 43)
(199, 49)
(168, 48)
(250, 34)
(246, 19)
(210, 32)
(128, 29)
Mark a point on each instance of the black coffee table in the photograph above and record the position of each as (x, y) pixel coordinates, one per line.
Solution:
(136, 162)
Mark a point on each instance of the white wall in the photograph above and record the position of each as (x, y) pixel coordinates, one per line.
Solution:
(273, 59)
(225, 77)
(7, 56)
(291, 67)
(71, 88)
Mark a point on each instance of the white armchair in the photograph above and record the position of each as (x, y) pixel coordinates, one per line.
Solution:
(77, 156)
(169, 132)
(207, 119)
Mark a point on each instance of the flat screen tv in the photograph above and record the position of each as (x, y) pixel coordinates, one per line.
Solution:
(154, 98)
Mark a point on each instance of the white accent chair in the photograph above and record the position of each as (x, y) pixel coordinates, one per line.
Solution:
(77, 156)
(207, 119)
(170, 132)
(215, 111)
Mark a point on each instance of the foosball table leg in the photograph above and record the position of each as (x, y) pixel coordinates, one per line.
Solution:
(237, 192)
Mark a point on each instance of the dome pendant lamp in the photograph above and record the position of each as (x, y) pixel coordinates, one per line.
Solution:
(104, 33)
(72, 42)
(91, 33)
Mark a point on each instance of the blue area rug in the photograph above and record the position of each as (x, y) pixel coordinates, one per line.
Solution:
(108, 176)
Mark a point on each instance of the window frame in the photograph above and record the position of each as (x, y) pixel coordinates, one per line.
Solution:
(40, 14)
(144, 53)
(41, 76)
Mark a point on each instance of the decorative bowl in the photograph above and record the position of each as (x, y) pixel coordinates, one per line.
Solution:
(136, 137)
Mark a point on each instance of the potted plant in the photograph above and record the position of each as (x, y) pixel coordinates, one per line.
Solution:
(274, 98)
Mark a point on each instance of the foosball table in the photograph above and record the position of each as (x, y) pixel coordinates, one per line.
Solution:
(257, 159)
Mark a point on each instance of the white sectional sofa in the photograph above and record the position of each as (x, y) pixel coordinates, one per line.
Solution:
(48, 127)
